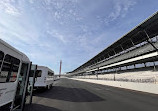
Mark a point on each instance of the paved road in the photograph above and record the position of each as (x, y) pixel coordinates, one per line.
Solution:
(71, 95)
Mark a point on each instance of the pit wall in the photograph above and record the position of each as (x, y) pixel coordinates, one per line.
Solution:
(143, 87)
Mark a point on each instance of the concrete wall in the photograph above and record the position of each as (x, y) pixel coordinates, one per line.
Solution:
(144, 87)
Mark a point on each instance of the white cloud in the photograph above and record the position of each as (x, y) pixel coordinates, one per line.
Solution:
(116, 13)
(57, 35)
(31, 1)
(120, 9)
(7, 7)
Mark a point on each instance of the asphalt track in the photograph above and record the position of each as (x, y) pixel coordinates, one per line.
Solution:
(72, 95)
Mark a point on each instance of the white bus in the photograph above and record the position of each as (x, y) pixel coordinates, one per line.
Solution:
(14, 74)
(45, 77)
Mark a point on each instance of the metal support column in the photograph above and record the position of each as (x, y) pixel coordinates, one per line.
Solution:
(144, 64)
(126, 67)
(134, 65)
(132, 42)
(154, 65)
(120, 68)
(114, 73)
(122, 48)
(115, 52)
(149, 41)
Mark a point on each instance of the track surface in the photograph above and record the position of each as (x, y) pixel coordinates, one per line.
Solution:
(71, 95)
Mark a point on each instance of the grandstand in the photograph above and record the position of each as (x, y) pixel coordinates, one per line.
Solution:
(134, 57)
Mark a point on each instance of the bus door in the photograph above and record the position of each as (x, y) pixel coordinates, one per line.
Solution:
(32, 79)
(22, 91)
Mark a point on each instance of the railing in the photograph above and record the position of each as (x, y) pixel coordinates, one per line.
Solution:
(139, 77)
(150, 80)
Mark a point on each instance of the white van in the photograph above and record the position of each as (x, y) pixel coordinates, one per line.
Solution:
(45, 77)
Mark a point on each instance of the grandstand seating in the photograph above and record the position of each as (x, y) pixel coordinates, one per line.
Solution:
(130, 54)
(134, 51)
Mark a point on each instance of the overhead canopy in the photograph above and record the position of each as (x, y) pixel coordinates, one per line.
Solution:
(134, 37)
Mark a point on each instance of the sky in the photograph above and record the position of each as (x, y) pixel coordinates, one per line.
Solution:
(73, 31)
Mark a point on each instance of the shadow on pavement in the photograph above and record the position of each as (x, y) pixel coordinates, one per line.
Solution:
(69, 94)
(39, 107)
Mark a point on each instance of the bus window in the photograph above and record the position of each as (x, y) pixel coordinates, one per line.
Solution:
(9, 69)
(39, 73)
(31, 73)
(50, 73)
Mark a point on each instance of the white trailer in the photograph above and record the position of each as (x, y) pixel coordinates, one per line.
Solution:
(14, 74)
(45, 77)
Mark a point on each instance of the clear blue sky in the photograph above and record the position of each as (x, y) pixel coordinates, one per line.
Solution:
(73, 31)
